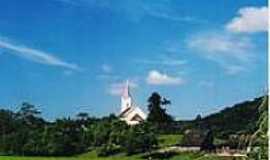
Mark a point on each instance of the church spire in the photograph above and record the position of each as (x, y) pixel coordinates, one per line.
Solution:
(126, 90)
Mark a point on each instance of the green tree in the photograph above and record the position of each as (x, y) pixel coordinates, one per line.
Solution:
(140, 138)
(157, 112)
(65, 138)
(29, 127)
(30, 116)
(7, 129)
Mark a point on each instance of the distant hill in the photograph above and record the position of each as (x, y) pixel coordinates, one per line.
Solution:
(237, 119)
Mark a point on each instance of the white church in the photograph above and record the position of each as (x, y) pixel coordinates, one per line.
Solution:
(130, 112)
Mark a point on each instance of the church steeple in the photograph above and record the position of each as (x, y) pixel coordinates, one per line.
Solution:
(126, 93)
(126, 101)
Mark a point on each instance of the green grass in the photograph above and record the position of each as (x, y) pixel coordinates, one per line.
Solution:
(169, 139)
(86, 156)
(93, 156)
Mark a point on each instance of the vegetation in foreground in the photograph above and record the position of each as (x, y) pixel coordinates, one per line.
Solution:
(259, 141)
(26, 133)
(93, 156)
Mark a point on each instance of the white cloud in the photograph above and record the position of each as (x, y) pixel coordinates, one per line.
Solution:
(230, 51)
(222, 45)
(36, 55)
(156, 78)
(250, 20)
(116, 89)
(234, 52)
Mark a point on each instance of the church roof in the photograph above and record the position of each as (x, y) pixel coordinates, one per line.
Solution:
(125, 111)
(137, 117)
(133, 114)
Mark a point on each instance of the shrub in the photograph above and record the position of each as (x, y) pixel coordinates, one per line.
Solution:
(107, 150)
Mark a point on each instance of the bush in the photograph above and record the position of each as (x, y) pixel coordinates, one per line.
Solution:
(140, 138)
(208, 142)
(193, 137)
(107, 150)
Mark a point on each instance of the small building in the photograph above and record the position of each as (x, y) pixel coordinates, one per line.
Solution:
(130, 112)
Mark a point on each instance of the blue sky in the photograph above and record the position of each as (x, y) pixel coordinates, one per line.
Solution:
(68, 56)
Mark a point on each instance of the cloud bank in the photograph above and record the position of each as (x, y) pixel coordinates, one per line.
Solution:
(250, 20)
(233, 53)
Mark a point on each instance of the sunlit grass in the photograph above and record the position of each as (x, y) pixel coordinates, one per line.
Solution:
(169, 140)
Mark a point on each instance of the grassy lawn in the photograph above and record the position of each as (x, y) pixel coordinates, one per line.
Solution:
(169, 139)
(92, 156)
(88, 156)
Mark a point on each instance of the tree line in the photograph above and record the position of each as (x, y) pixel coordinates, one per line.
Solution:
(26, 132)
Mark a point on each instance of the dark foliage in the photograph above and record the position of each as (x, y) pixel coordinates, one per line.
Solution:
(140, 138)
(107, 150)
(26, 133)
(208, 142)
(157, 113)
(239, 119)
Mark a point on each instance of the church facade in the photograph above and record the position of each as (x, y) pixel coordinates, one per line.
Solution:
(130, 112)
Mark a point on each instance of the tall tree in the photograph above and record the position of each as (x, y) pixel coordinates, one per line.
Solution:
(157, 111)
(30, 115)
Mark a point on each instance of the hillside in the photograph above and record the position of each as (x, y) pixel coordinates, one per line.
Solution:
(237, 119)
